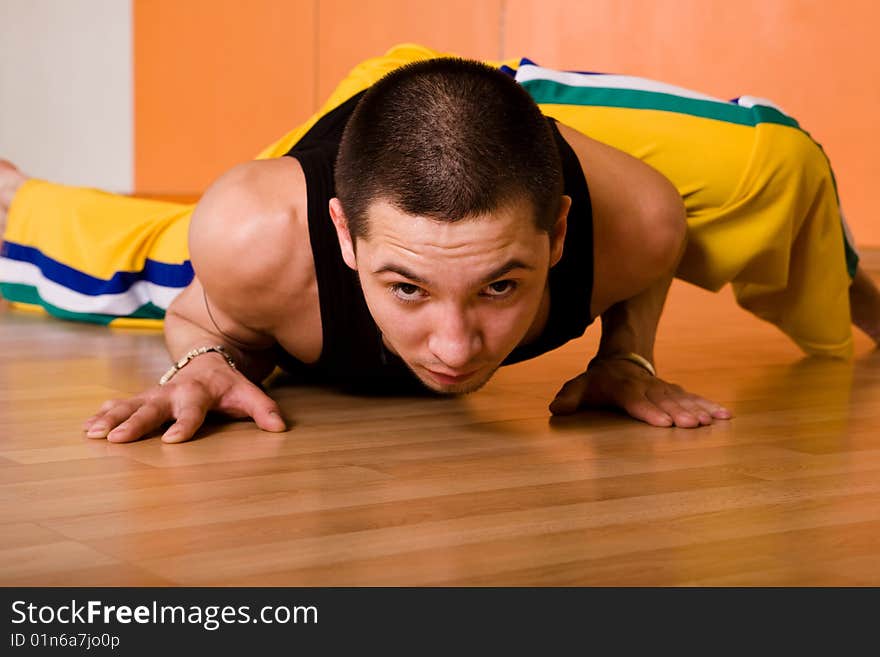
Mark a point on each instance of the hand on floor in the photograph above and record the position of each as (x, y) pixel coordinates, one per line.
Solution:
(199, 388)
(625, 385)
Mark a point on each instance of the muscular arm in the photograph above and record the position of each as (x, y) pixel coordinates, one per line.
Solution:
(246, 246)
(230, 300)
(639, 238)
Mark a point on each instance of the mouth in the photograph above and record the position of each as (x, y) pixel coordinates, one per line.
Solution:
(451, 378)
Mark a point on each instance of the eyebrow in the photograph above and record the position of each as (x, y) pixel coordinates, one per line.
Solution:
(508, 266)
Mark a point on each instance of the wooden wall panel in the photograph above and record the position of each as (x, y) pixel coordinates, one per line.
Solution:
(818, 60)
(215, 81)
(349, 32)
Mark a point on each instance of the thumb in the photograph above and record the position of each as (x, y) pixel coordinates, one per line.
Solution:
(569, 397)
(269, 419)
(262, 409)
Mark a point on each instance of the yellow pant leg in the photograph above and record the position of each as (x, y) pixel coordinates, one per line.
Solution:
(795, 275)
(761, 204)
(88, 255)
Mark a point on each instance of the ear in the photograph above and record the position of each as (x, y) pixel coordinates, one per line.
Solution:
(557, 235)
(346, 244)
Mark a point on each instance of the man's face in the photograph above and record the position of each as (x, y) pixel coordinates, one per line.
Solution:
(452, 299)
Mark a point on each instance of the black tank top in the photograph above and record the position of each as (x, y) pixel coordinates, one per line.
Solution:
(353, 355)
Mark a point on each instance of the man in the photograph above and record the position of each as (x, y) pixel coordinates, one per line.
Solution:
(463, 237)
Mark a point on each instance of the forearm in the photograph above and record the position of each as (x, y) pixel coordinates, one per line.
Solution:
(630, 326)
(185, 330)
(182, 336)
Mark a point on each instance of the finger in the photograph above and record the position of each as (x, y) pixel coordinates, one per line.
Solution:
(721, 413)
(692, 406)
(569, 397)
(106, 406)
(717, 411)
(681, 416)
(258, 405)
(189, 419)
(704, 408)
(114, 416)
(647, 411)
(675, 402)
(140, 423)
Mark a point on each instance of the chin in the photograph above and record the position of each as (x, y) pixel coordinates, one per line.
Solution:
(463, 388)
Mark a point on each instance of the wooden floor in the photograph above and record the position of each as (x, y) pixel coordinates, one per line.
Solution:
(481, 490)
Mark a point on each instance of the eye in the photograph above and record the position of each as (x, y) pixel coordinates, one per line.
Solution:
(407, 292)
(499, 288)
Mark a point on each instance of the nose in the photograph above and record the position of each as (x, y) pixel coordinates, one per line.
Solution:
(456, 339)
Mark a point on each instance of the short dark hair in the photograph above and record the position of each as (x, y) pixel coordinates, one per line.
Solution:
(447, 139)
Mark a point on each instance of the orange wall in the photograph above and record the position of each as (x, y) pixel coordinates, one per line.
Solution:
(819, 60)
(215, 80)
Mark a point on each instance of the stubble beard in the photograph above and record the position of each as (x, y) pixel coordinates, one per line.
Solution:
(463, 388)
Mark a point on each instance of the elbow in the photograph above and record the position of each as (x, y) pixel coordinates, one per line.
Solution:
(667, 225)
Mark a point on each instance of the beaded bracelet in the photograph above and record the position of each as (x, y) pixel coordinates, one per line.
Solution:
(179, 365)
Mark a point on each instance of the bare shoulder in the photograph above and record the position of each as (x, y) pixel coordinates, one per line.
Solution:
(249, 246)
(638, 220)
